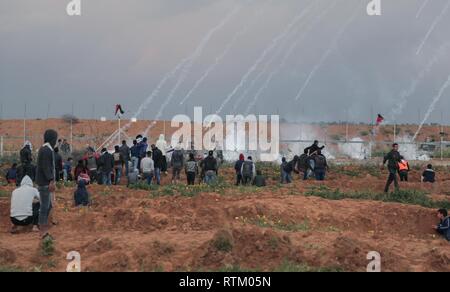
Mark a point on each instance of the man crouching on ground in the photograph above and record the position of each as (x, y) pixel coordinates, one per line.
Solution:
(45, 179)
(444, 226)
(25, 206)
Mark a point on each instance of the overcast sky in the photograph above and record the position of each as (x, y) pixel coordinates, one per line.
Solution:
(119, 51)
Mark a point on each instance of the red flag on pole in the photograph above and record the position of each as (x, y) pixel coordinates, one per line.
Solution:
(380, 119)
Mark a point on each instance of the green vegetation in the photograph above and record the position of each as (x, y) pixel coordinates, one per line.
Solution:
(264, 222)
(223, 243)
(10, 269)
(8, 160)
(357, 171)
(285, 267)
(47, 246)
(412, 197)
(220, 187)
(445, 153)
(290, 267)
(65, 184)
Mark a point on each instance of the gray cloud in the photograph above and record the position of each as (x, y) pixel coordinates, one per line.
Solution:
(117, 52)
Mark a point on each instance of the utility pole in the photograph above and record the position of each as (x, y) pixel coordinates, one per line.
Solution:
(71, 129)
(346, 125)
(395, 131)
(25, 124)
(442, 135)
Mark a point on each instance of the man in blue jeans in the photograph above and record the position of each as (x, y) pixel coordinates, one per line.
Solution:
(45, 179)
(320, 165)
(106, 166)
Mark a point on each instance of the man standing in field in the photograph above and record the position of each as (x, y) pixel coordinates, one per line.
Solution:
(393, 159)
(45, 179)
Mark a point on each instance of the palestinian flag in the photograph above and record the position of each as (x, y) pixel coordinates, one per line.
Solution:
(119, 110)
(380, 119)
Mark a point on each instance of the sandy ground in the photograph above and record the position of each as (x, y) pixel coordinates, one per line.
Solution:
(127, 230)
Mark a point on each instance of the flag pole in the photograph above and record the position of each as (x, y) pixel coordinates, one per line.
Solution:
(120, 132)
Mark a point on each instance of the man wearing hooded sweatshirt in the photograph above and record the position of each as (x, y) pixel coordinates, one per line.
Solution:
(238, 167)
(26, 167)
(25, 205)
(45, 178)
(248, 171)
(26, 156)
(161, 144)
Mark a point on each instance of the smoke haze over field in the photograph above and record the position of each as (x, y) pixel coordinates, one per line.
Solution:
(118, 52)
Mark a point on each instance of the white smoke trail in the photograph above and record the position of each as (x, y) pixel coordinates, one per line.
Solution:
(260, 74)
(279, 51)
(327, 53)
(413, 87)
(433, 26)
(288, 54)
(432, 106)
(219, 59)
(261, 58)
(422, 7)
(187, 68)
(163, 82)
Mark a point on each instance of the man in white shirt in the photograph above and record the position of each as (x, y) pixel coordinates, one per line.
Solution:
(25, 206)
(148, 167)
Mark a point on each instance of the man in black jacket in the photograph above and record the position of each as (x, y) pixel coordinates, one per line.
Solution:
(125, 151)
(58, 164)
(392, 158)
(210, 167)
(26, 167)
(313, 148)
(158, 160)
(26, 156)
(106, 166)
(45, 179)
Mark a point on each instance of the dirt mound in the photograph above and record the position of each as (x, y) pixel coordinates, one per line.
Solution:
(250, 248)
(151, 230)
(100, 245)
(7, 257)
(439, 259)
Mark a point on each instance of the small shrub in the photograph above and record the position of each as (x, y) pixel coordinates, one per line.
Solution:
(291, 267)
(10, 269)
(223, 243)
(47, 246)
